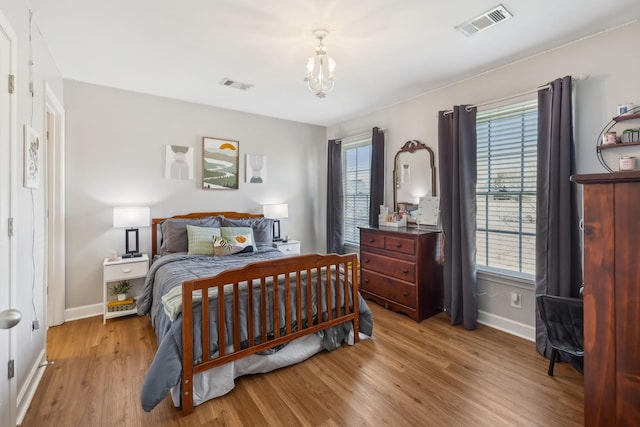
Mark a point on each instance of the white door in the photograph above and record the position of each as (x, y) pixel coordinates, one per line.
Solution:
(7, 247)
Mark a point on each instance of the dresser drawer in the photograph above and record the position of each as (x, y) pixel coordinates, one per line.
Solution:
(392, 267)
(400, 244)
(125, 271)
(386, 287)
(374, 240)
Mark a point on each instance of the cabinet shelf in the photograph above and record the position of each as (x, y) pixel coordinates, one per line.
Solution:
(617, 145)
(628, 116)
(634, 114)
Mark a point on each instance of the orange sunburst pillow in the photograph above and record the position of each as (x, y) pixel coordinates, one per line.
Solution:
(240, 243)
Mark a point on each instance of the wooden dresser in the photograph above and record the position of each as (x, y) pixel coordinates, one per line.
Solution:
(402, 270)
(611, 298)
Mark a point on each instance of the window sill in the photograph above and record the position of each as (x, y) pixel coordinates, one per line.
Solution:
(506, 277)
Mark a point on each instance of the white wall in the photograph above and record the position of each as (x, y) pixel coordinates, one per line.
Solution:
(115, 157)
(611, 60)
(30, 225)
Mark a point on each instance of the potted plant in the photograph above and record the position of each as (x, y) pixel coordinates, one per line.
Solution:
(120, 289)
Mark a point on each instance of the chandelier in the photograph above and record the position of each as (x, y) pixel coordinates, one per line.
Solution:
(320, 68)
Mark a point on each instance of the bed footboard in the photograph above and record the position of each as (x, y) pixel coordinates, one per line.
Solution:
(306, 288)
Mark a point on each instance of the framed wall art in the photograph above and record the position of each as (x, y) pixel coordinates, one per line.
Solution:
(220, 163)
(256, 169)
(32, 150)
(178, 162)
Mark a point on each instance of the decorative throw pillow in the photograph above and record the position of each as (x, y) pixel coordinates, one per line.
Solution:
(201, 239)
(174, 232)
(230, 233)
(236, 244)
(262, 228)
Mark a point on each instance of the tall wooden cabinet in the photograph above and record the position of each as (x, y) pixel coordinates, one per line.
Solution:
(611, 298)
(402, 270)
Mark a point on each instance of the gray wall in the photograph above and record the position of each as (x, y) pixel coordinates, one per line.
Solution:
(115, 157)
(611, 60)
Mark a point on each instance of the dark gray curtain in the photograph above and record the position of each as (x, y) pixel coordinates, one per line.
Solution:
(558, 256)
(335, 215)
(457, 169)
(377, 176)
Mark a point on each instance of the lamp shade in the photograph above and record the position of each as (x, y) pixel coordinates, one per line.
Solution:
(131, 217)
(276, 211)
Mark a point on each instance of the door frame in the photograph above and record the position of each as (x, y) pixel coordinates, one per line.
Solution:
(6, 27)
(55, 286)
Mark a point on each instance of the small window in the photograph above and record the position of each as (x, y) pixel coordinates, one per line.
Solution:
(356, 166)
(506, 188)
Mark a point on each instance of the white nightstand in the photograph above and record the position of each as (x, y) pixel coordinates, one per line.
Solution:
(290, 247)
(113, 271)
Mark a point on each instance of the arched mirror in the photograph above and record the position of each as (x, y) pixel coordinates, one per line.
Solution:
(414, 174)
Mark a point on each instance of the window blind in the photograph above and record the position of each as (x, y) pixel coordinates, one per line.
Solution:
(506, 187)
(356, 187)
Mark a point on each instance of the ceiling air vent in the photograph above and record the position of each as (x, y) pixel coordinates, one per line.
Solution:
(484, 21)
(235, 84)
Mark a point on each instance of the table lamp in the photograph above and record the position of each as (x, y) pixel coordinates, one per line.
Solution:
(276, 212)
(131, 218)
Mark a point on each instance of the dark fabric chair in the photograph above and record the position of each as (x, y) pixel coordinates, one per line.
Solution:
(563, 320)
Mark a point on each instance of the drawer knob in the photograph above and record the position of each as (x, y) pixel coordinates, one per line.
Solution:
(126, 270)
(372, 240)
(398, 245)
(404, 294)
(366, 261)
(405, 271)
(366, 280)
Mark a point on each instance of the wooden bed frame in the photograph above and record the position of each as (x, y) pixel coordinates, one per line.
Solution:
(288, 268)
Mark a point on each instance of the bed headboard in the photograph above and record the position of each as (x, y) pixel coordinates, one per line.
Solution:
(155, 248)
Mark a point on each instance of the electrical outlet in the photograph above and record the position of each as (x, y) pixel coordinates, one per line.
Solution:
(516, 300)
(35, 325)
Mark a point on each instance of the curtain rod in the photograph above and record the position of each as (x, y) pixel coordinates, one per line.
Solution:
(506, 98)
(359, 135)
(517, 95)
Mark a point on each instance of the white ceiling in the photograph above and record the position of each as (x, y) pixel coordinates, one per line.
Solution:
(386, 50)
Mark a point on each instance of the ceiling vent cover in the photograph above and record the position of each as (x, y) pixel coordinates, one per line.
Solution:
(235, 84)
(484, 21)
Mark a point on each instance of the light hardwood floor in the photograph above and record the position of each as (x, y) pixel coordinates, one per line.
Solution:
(410, 374)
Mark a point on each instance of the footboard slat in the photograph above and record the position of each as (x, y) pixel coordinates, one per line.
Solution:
(276, 307)
(250, 323)
(222, 339)
(309, 301)
(328, 288)
(299, 300)
(307, 272)
(287, 298)
(263, 309)
(319, 296)
(205, 328)
(236, 316)
(345, 287)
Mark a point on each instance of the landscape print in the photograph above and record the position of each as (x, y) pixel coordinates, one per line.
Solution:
(220, 164)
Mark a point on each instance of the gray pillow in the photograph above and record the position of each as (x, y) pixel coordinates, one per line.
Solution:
(262, 228)
(174, 232)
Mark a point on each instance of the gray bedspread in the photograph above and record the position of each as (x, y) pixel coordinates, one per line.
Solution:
(170, 271)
